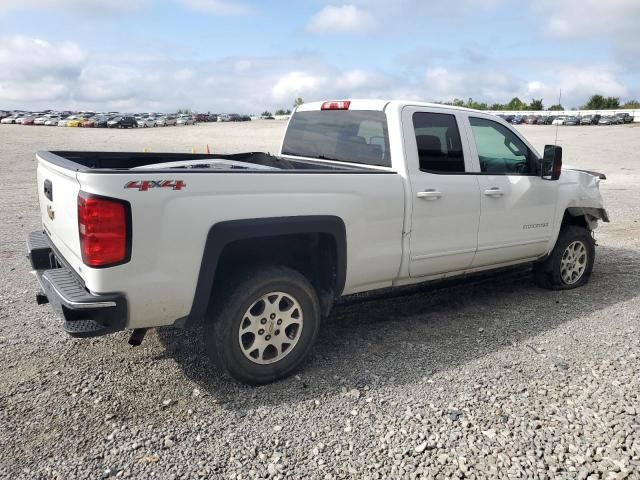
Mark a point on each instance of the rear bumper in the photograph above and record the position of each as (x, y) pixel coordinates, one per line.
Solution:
(84, 314)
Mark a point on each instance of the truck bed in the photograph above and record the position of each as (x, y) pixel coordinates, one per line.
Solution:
(105, 162)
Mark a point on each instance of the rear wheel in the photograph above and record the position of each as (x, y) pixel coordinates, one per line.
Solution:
(571, 261)
(263, 324)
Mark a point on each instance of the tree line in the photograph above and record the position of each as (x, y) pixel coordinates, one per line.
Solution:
(595, 102)
(296, 103)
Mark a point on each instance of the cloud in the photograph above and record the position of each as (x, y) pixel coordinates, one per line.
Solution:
(294, 84)
(40, 74)
(586, 18)
(77, 7)
(218, 7)
(35, 69)
(578, 82)
(341, 19)
(489, 85)
(611, 21)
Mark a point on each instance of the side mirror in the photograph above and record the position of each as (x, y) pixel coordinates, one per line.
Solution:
(552, 162)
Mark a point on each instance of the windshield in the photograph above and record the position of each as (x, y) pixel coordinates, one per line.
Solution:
(357, 136)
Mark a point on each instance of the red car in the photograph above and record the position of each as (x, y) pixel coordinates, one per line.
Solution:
(29, 121)
(200, 117)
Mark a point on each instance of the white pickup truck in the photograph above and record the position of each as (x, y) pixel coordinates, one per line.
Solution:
(364, 195)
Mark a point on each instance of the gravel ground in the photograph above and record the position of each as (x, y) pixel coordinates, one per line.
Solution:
(486, 379)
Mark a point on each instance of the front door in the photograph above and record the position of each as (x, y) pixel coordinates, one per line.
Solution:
(445, 200)
(517, 206)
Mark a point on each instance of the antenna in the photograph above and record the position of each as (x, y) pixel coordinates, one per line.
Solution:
(555, 143)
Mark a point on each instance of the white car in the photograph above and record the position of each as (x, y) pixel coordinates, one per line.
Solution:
(166, 121)
(21, 119)
(41, 120)
(8, 120)
(52, 121)
(185, 121)
(559, 121)
(146, 122)
(364, 195)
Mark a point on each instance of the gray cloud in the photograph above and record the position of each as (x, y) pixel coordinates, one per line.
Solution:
(40, 74)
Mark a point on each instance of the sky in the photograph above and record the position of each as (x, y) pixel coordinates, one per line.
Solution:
(247, 56)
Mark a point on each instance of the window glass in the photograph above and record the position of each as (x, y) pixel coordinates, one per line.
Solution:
(438, 142)
(499, 149)
(358, 136)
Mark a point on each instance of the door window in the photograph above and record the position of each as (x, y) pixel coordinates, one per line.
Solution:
(500, 151)
(438, 142)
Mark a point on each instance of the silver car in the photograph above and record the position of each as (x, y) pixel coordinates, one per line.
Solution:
(146, 122)
(185, 121)
(166, 121)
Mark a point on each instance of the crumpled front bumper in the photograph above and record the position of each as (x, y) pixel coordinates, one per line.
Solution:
(84, 313)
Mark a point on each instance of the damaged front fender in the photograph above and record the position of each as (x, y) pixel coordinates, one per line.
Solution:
(591, 214)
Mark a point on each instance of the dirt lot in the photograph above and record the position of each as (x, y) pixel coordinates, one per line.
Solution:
(486, 379)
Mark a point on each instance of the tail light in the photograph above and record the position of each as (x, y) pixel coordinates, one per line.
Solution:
(105, 230)
(336, 105)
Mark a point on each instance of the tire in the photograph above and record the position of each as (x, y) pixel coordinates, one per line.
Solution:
(553, 274)
(240, 306)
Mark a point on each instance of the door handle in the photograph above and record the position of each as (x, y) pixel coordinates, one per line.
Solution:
(494, 192)
(429, 194)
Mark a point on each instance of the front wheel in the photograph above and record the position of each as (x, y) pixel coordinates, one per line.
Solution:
(571, 261)
(263, 325)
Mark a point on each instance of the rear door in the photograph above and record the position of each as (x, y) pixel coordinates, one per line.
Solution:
(517, 205)
(445, 199)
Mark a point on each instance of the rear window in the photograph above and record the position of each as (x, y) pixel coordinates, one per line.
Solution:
(357, 136)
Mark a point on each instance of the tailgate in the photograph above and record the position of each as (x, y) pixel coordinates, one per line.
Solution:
(58, 196)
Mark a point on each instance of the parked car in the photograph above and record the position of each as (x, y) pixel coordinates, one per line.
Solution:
(530, 120)
(548, 120)
(52, 121)
(75, 122)
(102, 121)
(608, 120)
(42, 119)
(212, 118)
(122, 122)
(146, 122)
(266, 257)
(572, 121)
(561, 120)
(9, 120)
(65, 121)
(166, 121)
(185, 121)
(626, 117)
(589, 120)
(28, 120)
(88, 123)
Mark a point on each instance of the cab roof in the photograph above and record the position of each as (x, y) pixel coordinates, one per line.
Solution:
(378, 104)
